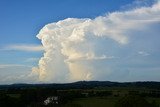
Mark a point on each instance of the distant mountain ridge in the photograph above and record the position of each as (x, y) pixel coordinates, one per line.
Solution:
(86, 85)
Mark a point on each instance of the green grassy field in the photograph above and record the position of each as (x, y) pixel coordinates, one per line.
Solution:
(14, 95)
(100, 102)
(157, 100)
(93, 102)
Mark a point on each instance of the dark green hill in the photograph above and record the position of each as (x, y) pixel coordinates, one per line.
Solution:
(86, 85)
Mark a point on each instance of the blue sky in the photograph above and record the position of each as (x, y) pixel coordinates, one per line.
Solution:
(20, 49)
(24, 18)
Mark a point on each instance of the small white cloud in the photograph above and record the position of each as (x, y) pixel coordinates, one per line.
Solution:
(87, 56)
(11, 65)
(23, 47)
(143, 53)
(32, 59)
(93, 57)
(138, 4)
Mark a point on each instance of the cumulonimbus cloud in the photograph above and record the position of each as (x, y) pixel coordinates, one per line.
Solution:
(72, 47)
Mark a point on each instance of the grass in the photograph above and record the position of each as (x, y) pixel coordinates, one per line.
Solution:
(100, 102)
(14, 95)
(93, 102)
(157, 100)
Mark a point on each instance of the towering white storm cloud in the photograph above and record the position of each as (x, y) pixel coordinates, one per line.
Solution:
(92, 49)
